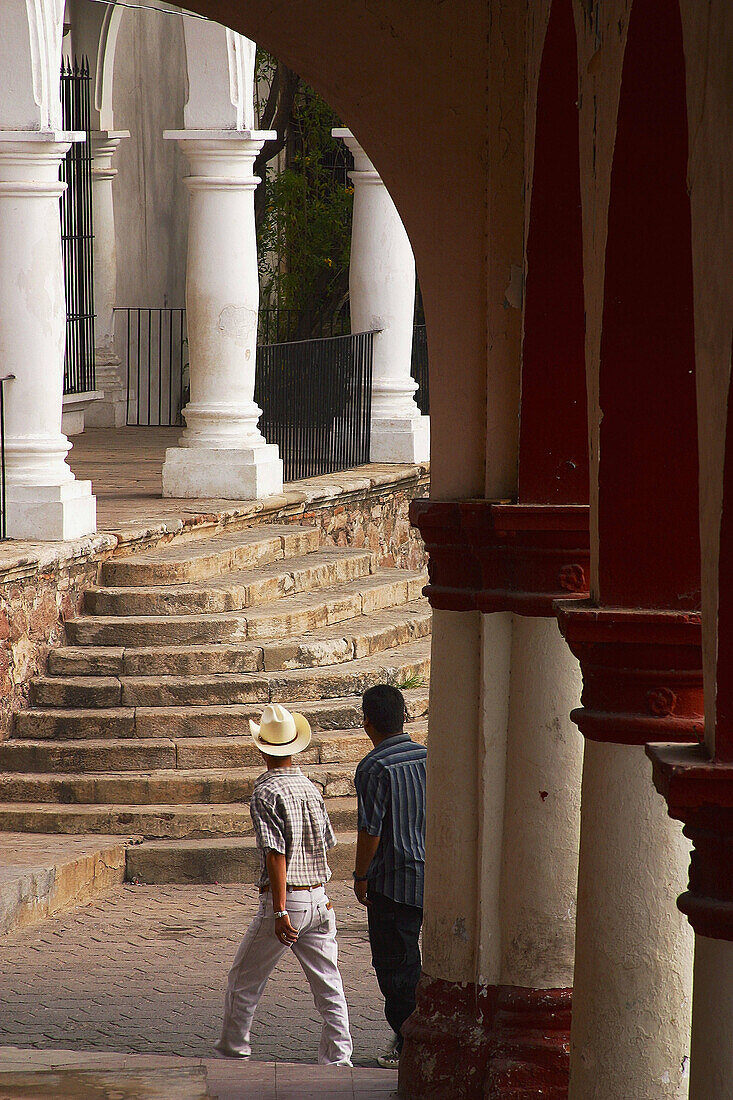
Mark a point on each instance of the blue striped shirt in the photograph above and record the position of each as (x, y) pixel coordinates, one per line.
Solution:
(390, 788)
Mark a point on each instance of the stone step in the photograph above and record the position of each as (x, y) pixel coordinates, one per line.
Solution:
(128, 754)
(292, 615)
(174, 787)
(197, 558)
(331, 645)
(41, 876)
(217, 860)
(235, 591)
(157, 821)
(190, 721)
(396, 665)
(87, 756)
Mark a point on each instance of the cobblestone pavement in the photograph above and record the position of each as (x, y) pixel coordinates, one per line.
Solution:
(143, 970)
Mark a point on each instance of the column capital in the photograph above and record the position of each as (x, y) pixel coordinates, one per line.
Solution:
(31, 159)
(497, 556)
(699, 792)
(362, 163)
(221, 157)
(104, 146)
(642, 672)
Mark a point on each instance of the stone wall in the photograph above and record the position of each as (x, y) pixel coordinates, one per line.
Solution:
(42, 585)
(37, 595)
(365, 512)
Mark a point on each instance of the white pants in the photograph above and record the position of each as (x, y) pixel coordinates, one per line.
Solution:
(316, 951)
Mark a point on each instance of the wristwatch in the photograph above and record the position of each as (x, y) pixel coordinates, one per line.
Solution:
(358, 878)
(282, 913)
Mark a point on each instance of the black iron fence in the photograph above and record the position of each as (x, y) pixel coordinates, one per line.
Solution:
(316, 402)
(420, 371)
(315, 394)
(277, 325)
(77, 233)
(154, 344)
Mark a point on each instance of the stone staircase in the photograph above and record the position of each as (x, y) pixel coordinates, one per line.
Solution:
(140, 726)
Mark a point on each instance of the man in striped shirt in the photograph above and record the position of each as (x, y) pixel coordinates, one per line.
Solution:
(390, 853)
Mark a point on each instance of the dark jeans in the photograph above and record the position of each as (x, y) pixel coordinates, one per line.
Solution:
(393, 935)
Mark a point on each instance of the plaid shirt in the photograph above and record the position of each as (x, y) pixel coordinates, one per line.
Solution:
(289, 816)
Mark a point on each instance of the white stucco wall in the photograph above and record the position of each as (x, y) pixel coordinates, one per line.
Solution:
(151, 213)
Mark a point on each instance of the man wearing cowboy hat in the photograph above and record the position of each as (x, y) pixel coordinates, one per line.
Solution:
(293, 836)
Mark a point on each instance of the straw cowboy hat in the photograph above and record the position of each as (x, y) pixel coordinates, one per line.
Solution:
(280, 733)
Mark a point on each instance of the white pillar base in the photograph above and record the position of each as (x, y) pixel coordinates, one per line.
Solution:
(400, 440)
(51, 513)
(247, 473)
(110, 412)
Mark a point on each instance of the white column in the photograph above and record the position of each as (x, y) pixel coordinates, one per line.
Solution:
(382, 293)
(111, 411)
(711, 1075)
(542, 809)
(633, 956)
(44, 501)
(222, 453)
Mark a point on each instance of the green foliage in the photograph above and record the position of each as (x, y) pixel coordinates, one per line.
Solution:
(305, 234)
(415, 680)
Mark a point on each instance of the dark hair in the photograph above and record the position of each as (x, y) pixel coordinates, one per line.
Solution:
(384, 706)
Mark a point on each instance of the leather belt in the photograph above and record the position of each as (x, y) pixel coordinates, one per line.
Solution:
(316, 886)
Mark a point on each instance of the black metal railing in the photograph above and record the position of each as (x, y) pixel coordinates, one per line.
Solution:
(420, 370)
(77, 233)
(278, 325)
(316, 402)
(3, 499)
(154, 344)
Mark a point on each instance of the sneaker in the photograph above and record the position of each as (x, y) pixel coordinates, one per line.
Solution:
(390, 1059)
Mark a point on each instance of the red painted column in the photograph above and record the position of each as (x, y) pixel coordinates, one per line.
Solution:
(511, 1041)
(697, 782)
(638, 639)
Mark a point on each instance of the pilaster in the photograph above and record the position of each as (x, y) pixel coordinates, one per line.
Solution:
(111, 411)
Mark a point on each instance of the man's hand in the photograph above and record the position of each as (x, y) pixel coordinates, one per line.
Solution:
(366, 849)
(285, 931)
(360, 889)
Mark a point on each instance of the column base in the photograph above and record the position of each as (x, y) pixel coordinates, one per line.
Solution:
(530, 1054)
(51, 513)
(77, 409)
(246, 473)
(447, 1041)
(109, 412)
(401, 440)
